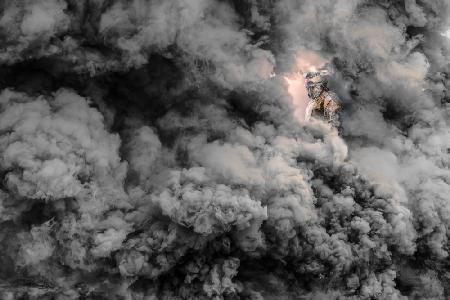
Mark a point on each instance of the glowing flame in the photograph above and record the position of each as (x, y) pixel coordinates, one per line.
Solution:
(307, 61)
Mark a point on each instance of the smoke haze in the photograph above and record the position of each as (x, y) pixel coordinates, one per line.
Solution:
(148, 152)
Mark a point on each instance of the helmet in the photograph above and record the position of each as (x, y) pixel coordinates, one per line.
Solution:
(315, 77)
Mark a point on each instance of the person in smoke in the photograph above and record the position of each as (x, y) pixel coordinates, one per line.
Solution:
(322, 101)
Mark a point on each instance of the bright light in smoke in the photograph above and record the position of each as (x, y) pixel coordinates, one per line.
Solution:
(297, 90)
(307, 61)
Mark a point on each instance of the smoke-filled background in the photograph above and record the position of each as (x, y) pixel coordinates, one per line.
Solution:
(148, 152)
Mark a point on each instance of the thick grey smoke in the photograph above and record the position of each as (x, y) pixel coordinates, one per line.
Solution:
(147, 152)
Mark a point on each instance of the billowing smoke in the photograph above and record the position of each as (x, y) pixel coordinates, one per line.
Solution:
(147, 151)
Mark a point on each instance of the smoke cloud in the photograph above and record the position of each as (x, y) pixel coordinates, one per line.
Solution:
(147, 151)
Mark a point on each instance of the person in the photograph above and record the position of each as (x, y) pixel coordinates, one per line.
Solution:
(323, 102)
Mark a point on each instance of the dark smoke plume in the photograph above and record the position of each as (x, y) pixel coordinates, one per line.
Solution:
(148, 152)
